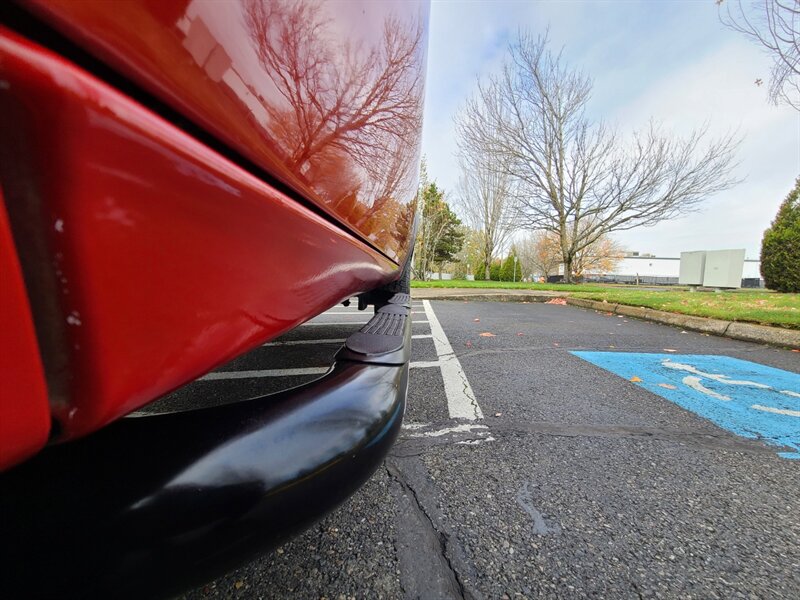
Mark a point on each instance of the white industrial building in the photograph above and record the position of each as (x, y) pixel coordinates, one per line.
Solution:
(669, 267)
(647, 268)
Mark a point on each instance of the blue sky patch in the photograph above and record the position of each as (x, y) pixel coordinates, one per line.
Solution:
(746, 398)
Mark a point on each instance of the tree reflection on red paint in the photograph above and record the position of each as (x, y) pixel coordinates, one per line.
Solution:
(352, 113)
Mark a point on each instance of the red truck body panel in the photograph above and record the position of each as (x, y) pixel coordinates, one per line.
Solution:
(326, 97)
(24, 413)
(149, 258)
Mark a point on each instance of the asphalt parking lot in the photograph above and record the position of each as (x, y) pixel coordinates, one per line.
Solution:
(526, 471)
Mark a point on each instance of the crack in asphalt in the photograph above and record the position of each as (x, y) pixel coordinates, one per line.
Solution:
(453, 587)
(702, 439)
(476, 410)
(524, 349)
(407, 447)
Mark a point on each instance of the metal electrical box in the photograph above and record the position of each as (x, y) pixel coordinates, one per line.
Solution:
(692, 268)
(724, 269)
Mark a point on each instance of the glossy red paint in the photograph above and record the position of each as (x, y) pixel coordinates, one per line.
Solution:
(24, 414)
(325, 96)
(163, 258)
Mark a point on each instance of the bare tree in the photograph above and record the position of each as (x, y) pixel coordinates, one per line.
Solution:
(577, 178)
(602, 257)
(350, 114)
(485, 188)
(775, 24)
(540, 253)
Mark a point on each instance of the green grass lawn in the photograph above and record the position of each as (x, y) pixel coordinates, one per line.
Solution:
(508, 285)
(767, 308)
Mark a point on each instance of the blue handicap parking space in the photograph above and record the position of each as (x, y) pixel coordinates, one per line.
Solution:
(746, 398)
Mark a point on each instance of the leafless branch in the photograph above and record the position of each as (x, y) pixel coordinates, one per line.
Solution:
(775, 25)
(571, 176)
(486, 194)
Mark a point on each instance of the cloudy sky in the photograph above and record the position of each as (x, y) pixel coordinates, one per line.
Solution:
(668, 60)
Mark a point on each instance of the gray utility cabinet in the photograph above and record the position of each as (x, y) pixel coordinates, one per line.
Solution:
(692, 267)
(724, 269)
(712, 268)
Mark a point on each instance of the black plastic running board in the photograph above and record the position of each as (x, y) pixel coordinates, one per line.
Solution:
(383, 336)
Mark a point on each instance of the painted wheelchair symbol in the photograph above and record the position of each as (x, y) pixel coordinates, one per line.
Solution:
(696, 377)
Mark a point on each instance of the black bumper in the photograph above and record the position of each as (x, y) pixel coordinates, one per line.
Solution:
(152, 505)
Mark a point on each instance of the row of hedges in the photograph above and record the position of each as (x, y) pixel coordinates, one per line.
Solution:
(499, 271)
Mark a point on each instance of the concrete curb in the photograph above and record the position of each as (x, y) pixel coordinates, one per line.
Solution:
(747, 332)
(760, 333)
(491, 297)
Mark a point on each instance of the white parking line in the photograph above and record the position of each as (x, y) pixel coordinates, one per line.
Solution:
(348, 311)
(289, 372)
(410, 425)
(361, 316)
(424, 364)
(311, 323)
(421, 336)
(303, 342)
(461, 402)
(263, 373)
(223, 375)
(474, 433)
(466, 427)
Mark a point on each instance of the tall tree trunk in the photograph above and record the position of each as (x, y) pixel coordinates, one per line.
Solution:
(568, 268)
(566, 252)
(487, 257)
